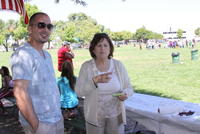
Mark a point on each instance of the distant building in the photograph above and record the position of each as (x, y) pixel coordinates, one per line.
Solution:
(173, 35)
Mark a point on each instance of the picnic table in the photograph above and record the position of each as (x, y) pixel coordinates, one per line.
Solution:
(162, 115)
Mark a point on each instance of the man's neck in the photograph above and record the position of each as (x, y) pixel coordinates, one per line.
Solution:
(36, 45)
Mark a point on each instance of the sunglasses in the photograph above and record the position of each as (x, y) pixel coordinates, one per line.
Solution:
(42, 25)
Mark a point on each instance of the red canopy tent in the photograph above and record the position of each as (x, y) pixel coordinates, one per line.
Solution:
(15, 5)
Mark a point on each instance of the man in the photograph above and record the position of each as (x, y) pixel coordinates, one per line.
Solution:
(35, 87)
(64, 54)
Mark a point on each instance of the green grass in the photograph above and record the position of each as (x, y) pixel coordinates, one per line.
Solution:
(151, 71)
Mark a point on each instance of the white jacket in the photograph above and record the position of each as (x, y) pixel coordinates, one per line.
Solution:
(86, 88)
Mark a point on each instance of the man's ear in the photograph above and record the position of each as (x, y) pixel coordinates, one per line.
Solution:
(29, 30)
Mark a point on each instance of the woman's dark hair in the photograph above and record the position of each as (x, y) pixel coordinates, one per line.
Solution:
(98, 37)
(5, 71)
(67, 71)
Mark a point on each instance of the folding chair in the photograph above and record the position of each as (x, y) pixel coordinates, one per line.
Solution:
(7, 95)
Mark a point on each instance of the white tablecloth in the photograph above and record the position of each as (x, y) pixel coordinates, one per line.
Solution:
(144, 109)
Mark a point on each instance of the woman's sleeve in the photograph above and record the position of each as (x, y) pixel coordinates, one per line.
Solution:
(84, 84)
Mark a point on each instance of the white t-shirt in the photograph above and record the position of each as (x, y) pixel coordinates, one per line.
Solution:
(108, 106)
(113, 85)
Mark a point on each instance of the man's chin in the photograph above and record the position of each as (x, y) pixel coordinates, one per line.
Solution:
(43, 41)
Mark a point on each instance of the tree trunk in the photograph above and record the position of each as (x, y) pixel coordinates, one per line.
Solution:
(48, 45)
(6, 47)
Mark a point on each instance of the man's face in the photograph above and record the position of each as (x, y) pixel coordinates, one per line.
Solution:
(40, 30)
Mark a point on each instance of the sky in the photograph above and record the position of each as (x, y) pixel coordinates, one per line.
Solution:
(117, 15)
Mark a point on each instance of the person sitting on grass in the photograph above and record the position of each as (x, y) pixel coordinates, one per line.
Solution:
(7, 85)
(66, 83)
(6, 80)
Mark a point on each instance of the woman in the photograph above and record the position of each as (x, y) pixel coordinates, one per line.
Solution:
(104, 83)
(7, 85)
(6, 79)
(66, 83)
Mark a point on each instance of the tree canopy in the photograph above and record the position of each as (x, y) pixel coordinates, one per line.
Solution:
(78, 27)
(143, 34)
(197, 32)
(179, 33)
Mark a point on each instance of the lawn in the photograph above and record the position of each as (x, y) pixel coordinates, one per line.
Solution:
(150, 71)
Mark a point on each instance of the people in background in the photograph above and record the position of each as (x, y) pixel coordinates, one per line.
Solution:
(66, 84)
(64, 54)
(6, 79)
(105, 84)
(35, 88)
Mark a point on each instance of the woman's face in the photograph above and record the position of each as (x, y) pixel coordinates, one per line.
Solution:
(102, 49)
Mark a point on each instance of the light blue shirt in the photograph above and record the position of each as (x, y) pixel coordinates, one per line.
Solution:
(28, 64)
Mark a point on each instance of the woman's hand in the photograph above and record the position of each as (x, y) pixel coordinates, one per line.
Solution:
(123, 97)
(102, 78)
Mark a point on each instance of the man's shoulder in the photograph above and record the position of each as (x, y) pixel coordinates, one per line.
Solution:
(23, 49)
(62, 49)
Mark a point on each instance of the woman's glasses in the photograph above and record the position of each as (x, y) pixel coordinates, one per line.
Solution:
(42, 25)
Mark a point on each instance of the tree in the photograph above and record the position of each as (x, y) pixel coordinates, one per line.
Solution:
(157, 36)
(122, 35)
(11, 25)
(77, 17)
(85, 30)
(127, 35)
(69, 32)
(21, 31)
(84, 26)
(117, 36)
(179, 33)
(108, 31)
(143, 34)
(2, 33)
(78, 28)
(197, 31)
(6, 29)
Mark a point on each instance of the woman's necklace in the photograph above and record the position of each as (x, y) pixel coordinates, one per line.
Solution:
(103, 66)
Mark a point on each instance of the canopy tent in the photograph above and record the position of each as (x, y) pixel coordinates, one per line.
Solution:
(16, 6)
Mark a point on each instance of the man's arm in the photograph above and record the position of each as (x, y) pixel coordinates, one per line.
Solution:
(69, 55)
(24, 103)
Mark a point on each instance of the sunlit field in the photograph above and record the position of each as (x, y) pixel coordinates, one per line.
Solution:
(150, 71)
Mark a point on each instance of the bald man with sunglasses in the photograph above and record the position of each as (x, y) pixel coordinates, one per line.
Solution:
(35, 88)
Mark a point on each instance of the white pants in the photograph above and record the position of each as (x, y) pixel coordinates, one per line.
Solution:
(111, 126)
(43, 128)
